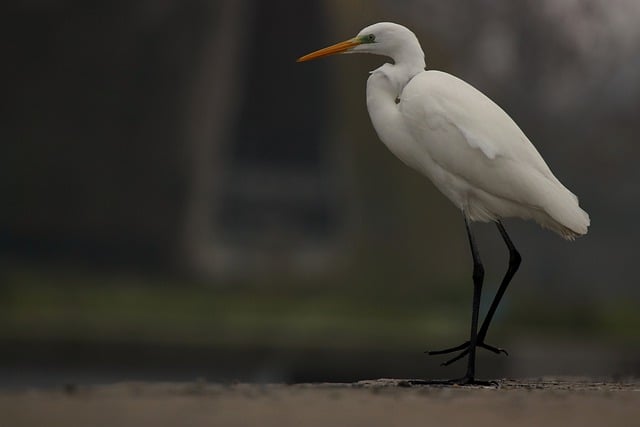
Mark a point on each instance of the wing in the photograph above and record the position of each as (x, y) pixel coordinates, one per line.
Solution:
(484, 161)
(471, 137)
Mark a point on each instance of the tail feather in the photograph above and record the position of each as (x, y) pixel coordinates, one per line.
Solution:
(562, 206)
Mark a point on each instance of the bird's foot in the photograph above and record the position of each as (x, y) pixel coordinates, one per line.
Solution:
(465, 350)
(464, 381)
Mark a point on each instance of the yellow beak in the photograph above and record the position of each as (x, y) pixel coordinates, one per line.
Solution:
(331, 50)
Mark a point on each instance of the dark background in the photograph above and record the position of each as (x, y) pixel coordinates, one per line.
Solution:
(180, 199)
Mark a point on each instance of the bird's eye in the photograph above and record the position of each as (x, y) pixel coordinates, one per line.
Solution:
(371, 37)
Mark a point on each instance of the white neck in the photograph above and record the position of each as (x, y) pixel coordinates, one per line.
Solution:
(384, 87)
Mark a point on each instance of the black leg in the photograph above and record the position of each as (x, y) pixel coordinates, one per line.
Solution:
(514, 262)
(478, 277)
(469, 347)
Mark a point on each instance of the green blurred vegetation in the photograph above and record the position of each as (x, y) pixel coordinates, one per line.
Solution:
(75, 306)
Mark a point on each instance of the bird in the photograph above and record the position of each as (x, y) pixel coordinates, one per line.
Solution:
(469, 148)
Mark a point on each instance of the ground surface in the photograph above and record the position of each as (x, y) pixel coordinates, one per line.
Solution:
(562, 402)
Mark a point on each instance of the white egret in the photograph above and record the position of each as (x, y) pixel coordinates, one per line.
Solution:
(471, 150)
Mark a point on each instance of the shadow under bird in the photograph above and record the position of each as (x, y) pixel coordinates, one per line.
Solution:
(471, 150)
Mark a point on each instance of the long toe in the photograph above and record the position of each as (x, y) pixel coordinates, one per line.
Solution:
(448, 350)
(464, 381)
(473, 381)
(465, 350)
(455, 359)
(493, 349)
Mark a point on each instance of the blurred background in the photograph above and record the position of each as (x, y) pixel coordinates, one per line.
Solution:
(182, 200)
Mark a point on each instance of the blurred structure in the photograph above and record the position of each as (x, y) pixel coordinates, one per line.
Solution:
(163, 133)
(182, 134)
(167, 140)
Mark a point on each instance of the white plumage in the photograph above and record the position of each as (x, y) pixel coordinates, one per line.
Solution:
(467, 145)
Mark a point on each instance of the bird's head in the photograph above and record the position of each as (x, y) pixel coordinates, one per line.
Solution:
(383, 38)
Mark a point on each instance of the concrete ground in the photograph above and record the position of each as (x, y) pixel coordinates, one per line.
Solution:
(385, 402)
